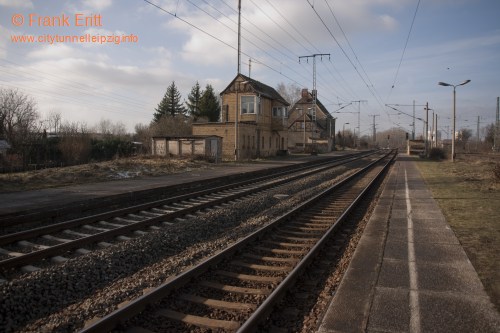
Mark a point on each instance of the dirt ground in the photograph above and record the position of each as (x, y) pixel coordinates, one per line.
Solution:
(468, 192)
(97, 172)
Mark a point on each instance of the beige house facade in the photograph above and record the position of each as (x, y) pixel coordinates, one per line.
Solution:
(310, 126)
(253, 121)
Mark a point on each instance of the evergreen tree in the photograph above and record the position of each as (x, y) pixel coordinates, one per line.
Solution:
(193, 103)
(170, 105)
(209, 105)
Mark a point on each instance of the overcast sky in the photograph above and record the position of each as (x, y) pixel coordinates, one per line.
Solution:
(196, 40)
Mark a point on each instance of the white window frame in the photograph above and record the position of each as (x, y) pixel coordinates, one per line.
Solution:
(248, 103)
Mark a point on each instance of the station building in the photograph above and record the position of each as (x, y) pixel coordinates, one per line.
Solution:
(253, 121)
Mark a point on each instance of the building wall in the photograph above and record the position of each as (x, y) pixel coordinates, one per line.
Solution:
(209, 147)
(253, 141)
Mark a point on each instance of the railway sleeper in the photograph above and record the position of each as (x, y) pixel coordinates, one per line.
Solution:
(280, 251)
(304, 246)
(234, 289)
(307, 228)
(261, 267)
(32, 245)
(150, 214)
(56, 239)
(247, 277)
(90, 227)
(123, 220)
(58, 259)
(108, 224)
(11, 253)
(270, 259)
(137, 217)
(298, 233)
(199, 321)
(82, 251)
(75, 233)
(297, 239)
(161, 211)
(29, 269)
(218, 304)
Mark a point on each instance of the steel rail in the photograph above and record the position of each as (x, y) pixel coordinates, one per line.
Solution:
(29, 217)
(58, 249)
(134, 307)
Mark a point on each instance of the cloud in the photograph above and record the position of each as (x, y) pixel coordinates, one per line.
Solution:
(97, 4)
(17, 4)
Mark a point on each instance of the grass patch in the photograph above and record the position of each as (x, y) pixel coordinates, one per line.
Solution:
(468, 193)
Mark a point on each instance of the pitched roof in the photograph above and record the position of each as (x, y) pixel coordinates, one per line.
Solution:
(260, 88)
(309, 100)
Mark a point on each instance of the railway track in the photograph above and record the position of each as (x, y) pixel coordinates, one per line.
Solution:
(27, 250)
(236, 289)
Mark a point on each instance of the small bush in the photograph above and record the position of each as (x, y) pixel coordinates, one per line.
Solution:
(496, 172)
(437, 154)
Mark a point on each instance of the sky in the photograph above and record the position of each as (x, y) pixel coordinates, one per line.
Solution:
(122, 55)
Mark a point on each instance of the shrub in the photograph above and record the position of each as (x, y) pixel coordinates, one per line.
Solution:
(496, 172)
(437, 154)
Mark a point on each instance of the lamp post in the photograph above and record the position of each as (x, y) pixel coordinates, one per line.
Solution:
(343, 135)
(454, 113)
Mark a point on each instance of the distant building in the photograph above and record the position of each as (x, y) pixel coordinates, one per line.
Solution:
(253, 121)
(207, 146)
(309, 125)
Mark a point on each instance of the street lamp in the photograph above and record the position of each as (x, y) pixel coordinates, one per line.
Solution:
(343, 135)
(454, 113)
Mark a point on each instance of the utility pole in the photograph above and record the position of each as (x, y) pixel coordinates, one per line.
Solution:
(359, 117)
(496, 135)
(477, 139)
(413, 124)
(249, 67)
(426, 128)
(374, 129)
(239, 36)
(314, 91)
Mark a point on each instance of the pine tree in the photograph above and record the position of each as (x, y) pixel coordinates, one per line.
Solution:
(170, 105)
(209, 105)
(193, 103)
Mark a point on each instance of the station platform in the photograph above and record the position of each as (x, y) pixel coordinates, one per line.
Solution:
(409, 272)
(85, 194)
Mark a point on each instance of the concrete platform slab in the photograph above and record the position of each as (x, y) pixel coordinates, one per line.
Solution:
(415, 279)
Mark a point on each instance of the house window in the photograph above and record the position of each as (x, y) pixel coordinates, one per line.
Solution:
(247, 104)
(279, 111)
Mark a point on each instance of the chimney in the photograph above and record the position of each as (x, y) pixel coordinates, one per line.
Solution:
(305, 93)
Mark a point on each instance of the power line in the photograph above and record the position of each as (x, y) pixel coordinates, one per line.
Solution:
(404, 50)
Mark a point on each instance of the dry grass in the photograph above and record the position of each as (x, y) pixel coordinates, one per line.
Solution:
(97, 172)
(468, 192)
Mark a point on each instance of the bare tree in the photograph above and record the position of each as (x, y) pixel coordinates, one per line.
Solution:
(108, 129)
(143, 134)
(75, 142)
(53, 121)
(18, 117)
(290, 92)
